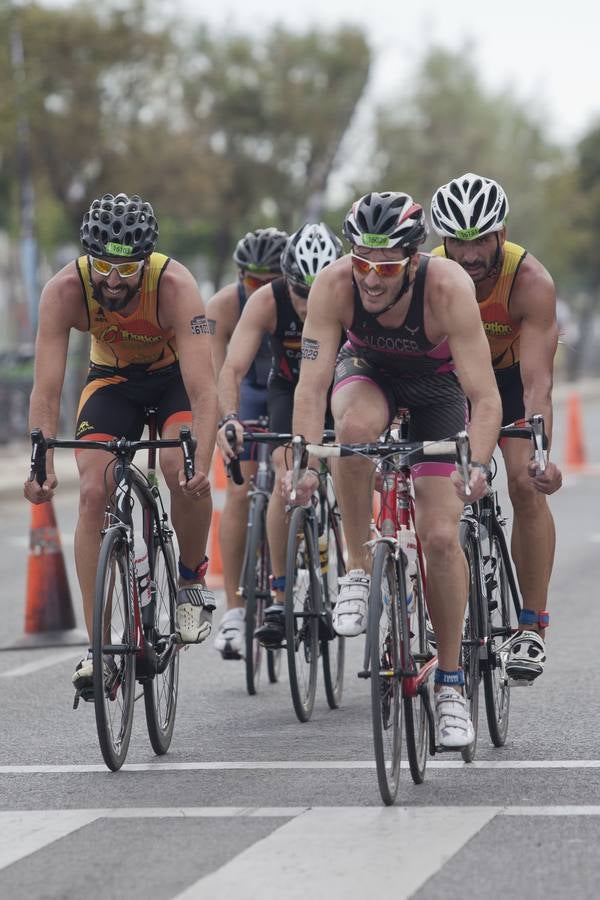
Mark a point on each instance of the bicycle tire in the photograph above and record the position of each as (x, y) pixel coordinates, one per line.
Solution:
(416, 721)
(496, 686)
(302, 609)
(113, 646)
(333, 647)
(160, 692)
(385, 661)
(256, 588)
(471, 638)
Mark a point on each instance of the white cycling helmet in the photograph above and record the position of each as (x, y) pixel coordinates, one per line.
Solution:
(309, 250)
(469, 207)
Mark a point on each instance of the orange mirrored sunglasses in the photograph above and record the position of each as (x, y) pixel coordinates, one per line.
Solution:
(382, 269)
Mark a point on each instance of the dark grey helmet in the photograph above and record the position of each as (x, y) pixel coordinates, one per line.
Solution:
(119, 226)
(260, 250)
(389, 219)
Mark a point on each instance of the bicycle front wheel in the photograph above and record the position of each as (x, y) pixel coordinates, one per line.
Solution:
(113, 650)
(255, 586)
(333, 647)
(416, 722)
(496, 686)
(471, 639)
(302, 607)
(386, 679)
(160, 691)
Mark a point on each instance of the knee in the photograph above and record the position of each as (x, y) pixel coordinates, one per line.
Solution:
(351, 428)
(440, 542)
(523, 496)
(93, 497)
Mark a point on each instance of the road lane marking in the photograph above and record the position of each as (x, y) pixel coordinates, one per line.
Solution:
(419, 841)
(43, 663)
(292, 765)
(25, 832)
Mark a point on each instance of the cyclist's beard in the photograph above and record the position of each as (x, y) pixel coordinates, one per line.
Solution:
(493, 268)
(118, 302)
(401, 292)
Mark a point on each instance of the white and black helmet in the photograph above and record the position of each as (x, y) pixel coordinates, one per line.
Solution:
(469, 207)
(309, 250)
(260, 250)
(389, 219)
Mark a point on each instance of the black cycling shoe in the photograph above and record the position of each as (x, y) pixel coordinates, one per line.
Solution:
(272, 632)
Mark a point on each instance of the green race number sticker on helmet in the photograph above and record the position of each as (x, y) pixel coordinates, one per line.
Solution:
(118, 249)
(467, 234)
(375, 240)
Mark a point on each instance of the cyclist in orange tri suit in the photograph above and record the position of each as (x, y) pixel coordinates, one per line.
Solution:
(258, 258)
(149, 337)
(517, 302)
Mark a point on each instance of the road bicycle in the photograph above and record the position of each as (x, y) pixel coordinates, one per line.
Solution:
(134, 629)
(314, 562)
(493, 590)
(398, 657)
(255, 577)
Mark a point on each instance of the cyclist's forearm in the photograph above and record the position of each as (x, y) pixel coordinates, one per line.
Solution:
(204, 429)
(44, 411)
(229, 390)
(486, 418)
(309, 417)
(539, 402)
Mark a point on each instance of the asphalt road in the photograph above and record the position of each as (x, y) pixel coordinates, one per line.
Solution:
(250, 801)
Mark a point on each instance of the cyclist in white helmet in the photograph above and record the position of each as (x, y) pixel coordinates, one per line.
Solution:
(277, 311)
(517, 303)
(412, 326)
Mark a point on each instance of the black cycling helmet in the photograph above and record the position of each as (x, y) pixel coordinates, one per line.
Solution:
(308, 251)
(389, 219)
(119, 226)
(260, 250)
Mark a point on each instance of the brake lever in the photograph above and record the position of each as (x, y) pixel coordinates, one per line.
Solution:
(463, 451)
(39, 446)
(188, 447)
(299, 460)
(233, 466)
(538, 436)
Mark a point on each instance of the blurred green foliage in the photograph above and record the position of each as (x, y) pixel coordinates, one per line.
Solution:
(227, 132)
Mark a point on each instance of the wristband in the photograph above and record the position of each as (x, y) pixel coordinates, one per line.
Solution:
(484, 468)
(230, 417)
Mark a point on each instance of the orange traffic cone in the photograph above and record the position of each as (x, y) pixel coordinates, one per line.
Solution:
(575, 456)
(49, 618)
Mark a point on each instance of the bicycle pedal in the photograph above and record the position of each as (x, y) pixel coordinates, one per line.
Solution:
(86, 694)
(228, 653)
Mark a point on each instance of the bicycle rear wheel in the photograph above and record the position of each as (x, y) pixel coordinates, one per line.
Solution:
(160, 691)
(302, 607)
(496, 685)
(416, 722)
(471, 639)
(113, 650)
(386, 680)
(256, 588)
(333, 647)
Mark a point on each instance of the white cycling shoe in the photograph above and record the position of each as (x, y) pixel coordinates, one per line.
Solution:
(453, 722)
(229, 639)
(350, 610)
(526, 657)
(193, 614)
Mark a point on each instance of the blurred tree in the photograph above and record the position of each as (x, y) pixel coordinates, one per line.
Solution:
(448, 124)
(274, 112)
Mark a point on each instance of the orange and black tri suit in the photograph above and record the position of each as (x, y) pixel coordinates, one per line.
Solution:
(133, 363)
(503, 332)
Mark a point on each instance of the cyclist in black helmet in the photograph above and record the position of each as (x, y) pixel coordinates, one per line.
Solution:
(148, 328)
(412, 326)
(276, 311)
(258, 258)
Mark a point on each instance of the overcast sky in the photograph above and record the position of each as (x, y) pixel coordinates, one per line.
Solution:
(547, 54)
